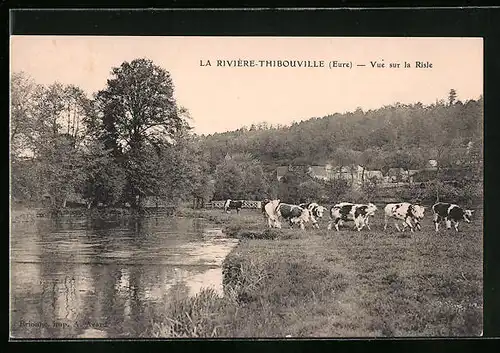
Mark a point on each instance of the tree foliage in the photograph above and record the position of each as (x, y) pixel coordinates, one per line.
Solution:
(128, 142)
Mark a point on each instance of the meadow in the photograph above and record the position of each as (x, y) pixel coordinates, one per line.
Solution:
(319, 283)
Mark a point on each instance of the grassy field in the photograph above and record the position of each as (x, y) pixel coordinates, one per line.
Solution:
(323, 283)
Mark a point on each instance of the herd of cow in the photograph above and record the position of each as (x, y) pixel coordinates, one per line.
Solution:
(410, 215)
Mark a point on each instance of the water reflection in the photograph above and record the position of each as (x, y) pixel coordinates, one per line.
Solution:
(95, 279)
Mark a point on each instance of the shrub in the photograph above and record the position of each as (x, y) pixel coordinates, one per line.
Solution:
(371, 187)
(310, 191)
(198, 316)
(356, 196)
(468, 195)
(335, 189)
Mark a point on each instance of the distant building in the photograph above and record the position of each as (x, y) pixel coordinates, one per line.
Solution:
(374, 174)
(283, 170)
(319, 172)
(395, 174)
(327, 172)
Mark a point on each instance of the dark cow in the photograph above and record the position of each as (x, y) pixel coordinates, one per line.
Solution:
(232, 205)
(292, 213)
(406, 212)
(315, 212)
(450, 213)
(346, 211)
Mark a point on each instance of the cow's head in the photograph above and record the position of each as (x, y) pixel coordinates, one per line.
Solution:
(418, 211)
(317, 210)
(320, 211)
(370, 210)
(468, 215)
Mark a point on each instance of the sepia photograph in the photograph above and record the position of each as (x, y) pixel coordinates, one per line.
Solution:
(245, 187)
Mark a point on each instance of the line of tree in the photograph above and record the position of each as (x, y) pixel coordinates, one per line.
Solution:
(129, 141)
(406, 135)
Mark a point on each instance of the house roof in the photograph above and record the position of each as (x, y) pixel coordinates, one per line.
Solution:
(318, 171)
(373, 173)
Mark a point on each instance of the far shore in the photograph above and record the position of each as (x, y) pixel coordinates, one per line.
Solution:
(31, 214)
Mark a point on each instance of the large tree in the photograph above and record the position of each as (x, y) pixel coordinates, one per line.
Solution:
(137, 116)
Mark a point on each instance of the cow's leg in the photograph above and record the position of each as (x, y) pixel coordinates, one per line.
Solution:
(357, 223)
(397, 226)
(436, 221)
(448, 223)
(367, 222)
(386, 220)
(337, 221)
(456, 225)
(238, 211)
(302, 226)
(329, 227)
(408, 222)
(314, 222)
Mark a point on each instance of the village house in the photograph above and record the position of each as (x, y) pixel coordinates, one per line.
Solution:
(328, 172)
(356, 176)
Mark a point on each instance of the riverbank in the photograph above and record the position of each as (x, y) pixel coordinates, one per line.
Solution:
(336, 284)
(20, 215)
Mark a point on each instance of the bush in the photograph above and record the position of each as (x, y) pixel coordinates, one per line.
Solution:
(356, 196)
(371, 187)
(335, 189)
(310, 190)
(468, 195)
(199, 316)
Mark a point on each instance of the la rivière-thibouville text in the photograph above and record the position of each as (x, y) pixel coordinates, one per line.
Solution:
(309, 64)
(264, 63)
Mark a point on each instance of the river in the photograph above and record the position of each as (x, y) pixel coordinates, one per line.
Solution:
(96, 279)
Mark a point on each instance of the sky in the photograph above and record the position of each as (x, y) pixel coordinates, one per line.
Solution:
(226, 98)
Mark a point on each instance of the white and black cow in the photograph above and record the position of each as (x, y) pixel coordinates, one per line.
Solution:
(346, 211)
(292, 213)
(270, 208)
(450, 213)
(406, 212)
(232, 205)
(315, 212)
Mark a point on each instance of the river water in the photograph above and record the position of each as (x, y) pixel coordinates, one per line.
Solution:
(96, 279)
